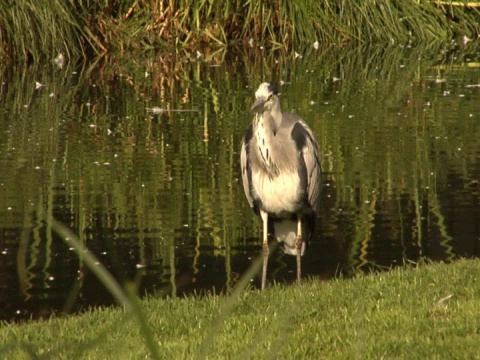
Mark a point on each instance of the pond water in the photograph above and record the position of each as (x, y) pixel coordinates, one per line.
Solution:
(157, 195)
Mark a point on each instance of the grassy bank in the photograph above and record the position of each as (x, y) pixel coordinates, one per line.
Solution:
(30, 30)
(431, 311)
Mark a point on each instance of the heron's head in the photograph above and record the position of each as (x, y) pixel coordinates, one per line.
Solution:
(265, 98)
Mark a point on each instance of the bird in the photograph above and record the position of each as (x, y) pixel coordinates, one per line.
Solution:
(281, 175)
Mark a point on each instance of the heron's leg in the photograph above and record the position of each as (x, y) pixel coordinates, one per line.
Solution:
(264, 216)
(298, 246)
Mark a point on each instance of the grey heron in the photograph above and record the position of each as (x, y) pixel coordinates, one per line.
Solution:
(281, 175)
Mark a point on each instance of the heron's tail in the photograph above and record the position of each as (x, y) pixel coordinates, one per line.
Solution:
(286, 233)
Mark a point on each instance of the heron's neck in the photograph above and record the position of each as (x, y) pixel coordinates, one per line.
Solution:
(265, 130)
(276, 115)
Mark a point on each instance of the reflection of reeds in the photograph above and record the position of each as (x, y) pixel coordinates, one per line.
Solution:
(174, 176)
(34, 29)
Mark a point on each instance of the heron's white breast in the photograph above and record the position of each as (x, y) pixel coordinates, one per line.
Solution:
(278, 194)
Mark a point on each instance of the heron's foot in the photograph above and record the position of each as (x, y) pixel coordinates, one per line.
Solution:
(266, 251)
(298, 246)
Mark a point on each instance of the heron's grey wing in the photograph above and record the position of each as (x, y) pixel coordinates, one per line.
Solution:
(245, 165)
(310, 153)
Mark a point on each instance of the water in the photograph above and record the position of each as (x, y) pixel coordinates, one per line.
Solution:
(157, 196)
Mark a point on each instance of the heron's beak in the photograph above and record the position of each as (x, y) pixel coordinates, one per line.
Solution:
(258, 104)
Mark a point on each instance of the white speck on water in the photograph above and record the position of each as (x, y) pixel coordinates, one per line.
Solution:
(156, 110)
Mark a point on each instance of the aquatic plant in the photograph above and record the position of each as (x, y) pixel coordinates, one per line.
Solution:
(34, 29)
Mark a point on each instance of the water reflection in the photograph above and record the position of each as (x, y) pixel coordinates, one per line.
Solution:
(157, 196)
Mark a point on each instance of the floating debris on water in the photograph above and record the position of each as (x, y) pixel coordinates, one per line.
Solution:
(157, 110)
(59, 60)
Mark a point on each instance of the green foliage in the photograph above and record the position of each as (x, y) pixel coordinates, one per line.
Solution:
(430, 311)
(32, 29)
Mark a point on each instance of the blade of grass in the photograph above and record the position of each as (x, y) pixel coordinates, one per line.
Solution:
(125, 297)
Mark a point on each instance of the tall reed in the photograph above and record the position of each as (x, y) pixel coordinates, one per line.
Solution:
(34, 29)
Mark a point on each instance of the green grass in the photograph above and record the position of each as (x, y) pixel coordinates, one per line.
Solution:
(32, 30)
(429, 311)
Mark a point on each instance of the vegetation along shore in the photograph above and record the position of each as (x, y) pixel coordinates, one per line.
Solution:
(32, 30)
